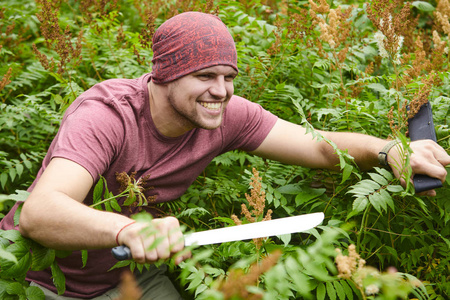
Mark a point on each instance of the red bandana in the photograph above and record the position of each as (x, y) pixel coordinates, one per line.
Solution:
(190, 42)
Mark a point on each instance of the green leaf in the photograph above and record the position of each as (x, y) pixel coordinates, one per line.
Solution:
(388, 199)
(339, 290)
(26, 161)
(20, 195)
(285, 238)
(321, 292)
(377, 87)
(308, 194)
(115, 205)
(17, 214)
(130, 200)
(19, 169)
(8, 256)
(17, 270)
(12, 235)
(15, 288)
(346, 172)
(12, 173)
(290, 189)
(385, 173)
(3, 179)
(423, 6)
(23, 156)
(361, 190)
(200, 289)
(347, 289)
(121, 264)
(359, 204)
(59, 280)
(34, 293)
(98, 190)
(377, 202)
(197, 279)
(42, 257)
(140, 267)
(84, 257)
(379, 179)
(395, 188)
(107, 206)
(200, 211)
(58, 99)
(300, 280)
(330, 290)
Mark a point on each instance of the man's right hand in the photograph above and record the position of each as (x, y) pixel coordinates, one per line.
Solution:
(160, 239)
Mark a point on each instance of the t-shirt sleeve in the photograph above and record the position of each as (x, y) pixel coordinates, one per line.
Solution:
(246, 124)
(91, 134)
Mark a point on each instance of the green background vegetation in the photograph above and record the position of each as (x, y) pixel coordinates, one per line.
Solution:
(324, 74)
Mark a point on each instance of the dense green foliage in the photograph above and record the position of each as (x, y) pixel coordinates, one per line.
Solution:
(319, 66)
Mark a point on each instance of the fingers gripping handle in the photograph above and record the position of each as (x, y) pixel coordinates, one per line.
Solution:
(421, 127)
(121, 252)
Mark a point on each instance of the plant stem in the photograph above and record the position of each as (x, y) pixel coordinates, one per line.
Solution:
(362, 229)
(110, 198)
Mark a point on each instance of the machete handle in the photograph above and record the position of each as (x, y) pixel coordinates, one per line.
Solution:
(121, 252)
(421, 127)
(424, 183)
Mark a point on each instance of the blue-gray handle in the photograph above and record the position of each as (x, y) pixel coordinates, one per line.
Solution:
(421, 127)
(121, 252)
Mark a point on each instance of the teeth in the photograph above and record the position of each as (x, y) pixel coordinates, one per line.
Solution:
(212, 106)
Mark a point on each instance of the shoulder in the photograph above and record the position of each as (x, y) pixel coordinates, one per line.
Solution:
(122, 98)
(245, 124)
(118, 86)
(241, 109)
(241, 106)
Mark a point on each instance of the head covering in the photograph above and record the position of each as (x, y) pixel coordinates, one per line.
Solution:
(189, 42)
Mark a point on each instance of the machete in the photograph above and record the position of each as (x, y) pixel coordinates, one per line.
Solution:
(421, 127)
(241, 232)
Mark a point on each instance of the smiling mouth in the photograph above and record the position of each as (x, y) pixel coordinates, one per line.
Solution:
(212, 106)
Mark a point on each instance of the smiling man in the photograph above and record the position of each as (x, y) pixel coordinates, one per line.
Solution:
(196, 100)
(168, 124)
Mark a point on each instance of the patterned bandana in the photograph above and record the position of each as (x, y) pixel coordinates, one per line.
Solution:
(190, 42)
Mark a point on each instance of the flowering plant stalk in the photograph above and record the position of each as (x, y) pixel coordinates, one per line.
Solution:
(131, 190)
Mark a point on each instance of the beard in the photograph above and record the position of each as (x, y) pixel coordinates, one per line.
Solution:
(191, 117)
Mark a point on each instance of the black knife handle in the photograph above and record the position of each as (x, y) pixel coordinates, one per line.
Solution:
(421, 127)
(121, 252)
(424, 183)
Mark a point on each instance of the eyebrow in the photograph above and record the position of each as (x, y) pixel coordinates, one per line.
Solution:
(206, 71)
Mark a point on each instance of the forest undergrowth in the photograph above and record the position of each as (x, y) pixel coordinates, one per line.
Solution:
(331, 65)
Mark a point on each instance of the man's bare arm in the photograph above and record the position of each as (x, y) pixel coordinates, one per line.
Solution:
(289, 143)
(55, 216)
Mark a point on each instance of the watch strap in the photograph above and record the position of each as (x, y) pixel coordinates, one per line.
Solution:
(383, 154)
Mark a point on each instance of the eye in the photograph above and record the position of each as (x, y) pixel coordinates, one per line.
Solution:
(230, 77)
(204, 76)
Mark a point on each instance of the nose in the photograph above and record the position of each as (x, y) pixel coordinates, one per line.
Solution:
(219, 88)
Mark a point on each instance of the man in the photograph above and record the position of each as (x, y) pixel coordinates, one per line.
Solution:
(169, 124)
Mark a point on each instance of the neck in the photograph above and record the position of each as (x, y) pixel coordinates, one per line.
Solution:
(163, 115)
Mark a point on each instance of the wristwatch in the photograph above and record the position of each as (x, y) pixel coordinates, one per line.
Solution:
(382, 155)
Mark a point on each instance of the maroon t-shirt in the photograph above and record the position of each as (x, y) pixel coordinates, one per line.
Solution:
(109, 129)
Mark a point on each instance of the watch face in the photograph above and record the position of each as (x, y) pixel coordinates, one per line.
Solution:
(382, 158)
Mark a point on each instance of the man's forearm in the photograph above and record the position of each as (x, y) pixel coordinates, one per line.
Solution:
(59, 222)
(290, 143)
(363, 148)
